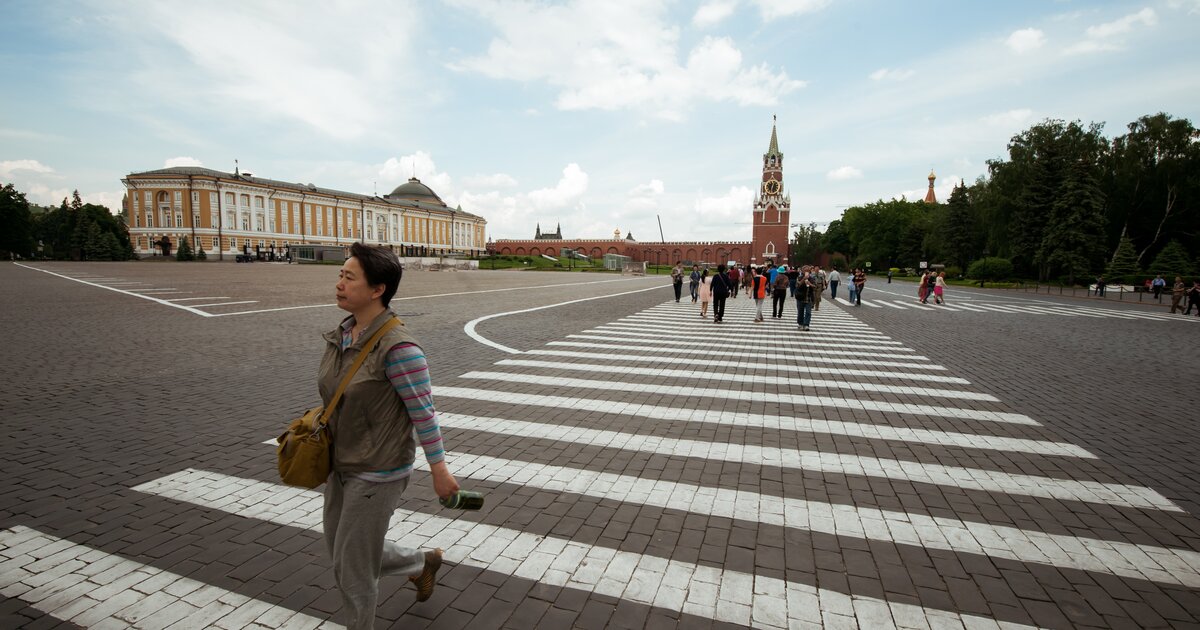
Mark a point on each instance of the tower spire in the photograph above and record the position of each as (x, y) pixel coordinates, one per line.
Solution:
(930, 197)
(774, 148)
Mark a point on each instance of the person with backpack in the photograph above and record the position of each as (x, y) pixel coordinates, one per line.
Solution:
(779, 292)
(758, 290)
(722, 286)
(806, 292)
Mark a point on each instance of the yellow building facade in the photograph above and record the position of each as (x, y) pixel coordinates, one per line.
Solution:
(234, 213)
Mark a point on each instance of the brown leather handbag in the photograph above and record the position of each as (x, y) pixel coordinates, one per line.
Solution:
(304, 457)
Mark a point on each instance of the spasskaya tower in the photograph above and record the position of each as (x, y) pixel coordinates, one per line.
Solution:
(772, 210)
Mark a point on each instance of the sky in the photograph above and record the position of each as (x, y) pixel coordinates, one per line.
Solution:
(596, 115)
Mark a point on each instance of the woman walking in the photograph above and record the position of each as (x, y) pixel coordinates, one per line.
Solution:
(1177, 295)
(939, 288)
(758, 290)
(860, 281)
(923, 288)
(694, 282)
(384, 411)
(721, 287)
(704, 291)
(779, 292)
(806, 292)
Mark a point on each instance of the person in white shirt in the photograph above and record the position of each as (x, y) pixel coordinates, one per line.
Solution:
(834, 279)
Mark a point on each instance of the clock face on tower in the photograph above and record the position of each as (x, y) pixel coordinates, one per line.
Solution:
(772, 187)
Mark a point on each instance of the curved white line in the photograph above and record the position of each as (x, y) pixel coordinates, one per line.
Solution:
(470, 327)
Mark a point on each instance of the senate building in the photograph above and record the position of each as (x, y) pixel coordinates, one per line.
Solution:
(770, 235)
(237, 212)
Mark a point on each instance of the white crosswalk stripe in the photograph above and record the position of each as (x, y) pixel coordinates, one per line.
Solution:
(818, 342)
(738, 394)
(723, 595)
(1032, 308)
(759, 355)
(91, 588)
(654, 412)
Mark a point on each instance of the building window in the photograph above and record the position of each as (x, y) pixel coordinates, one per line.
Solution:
(245, 223)
(272, 225)
(137, 219)
(258, 202)
(179, 197)
(212, 199)
(230, 221)
(229, 199)
(149, 220)
(245, 199)
(259, 223)
(167, 219)
(179, 219)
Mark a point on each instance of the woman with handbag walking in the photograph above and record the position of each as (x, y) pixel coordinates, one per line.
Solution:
(385, 409)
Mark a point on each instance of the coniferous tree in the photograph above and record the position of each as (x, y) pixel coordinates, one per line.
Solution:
(1074, 235)
(957, 229)
(184, 253)
(92, 242)
(1172, 261)
(16, 223)
(1124, 263)
(110, 247)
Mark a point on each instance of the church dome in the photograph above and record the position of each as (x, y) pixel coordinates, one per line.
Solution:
(416, 191)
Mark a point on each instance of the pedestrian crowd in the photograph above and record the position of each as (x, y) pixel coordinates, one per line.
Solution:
(774, 283)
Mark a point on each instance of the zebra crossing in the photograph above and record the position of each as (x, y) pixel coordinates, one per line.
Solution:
(792, 475)
(1009, 308)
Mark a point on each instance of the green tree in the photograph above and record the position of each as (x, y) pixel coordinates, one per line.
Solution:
(184, 252)
(1152, 184)
(110, 247)
(806, 244)
(1124, 264)
(835, 240)
(1172, 261)
(16, 223)
(92, 241)
(1073, 240)
(956, 229)
(990, 268)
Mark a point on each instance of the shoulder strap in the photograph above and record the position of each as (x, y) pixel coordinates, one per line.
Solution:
(358, 361)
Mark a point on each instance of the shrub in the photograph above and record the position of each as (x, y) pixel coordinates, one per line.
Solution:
(953, 271)
(184, 253)
(991, 268)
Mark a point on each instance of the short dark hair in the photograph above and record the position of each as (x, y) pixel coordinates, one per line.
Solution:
(380, 266)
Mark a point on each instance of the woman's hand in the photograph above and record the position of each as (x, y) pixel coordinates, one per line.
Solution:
(444, 483)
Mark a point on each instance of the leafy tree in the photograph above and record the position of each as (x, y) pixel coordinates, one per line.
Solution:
(1152, 185)
(991, 268)
(1172, 261)
(835, 240)
(806, 244)
(16, 223)
(1074, 236)
(184, 253)
(1124, 265)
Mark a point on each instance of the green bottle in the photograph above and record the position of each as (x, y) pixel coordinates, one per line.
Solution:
(463, 500)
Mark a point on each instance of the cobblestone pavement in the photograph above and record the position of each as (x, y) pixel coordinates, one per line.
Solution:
(1025, 462)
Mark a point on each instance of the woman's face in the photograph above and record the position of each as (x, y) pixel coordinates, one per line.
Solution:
(352, 291)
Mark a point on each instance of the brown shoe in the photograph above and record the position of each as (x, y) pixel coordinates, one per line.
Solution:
(428, 578)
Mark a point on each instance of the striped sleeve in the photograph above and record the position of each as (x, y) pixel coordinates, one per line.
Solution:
(409, 374)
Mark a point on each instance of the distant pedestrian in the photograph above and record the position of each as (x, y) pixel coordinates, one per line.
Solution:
(860, 281)
(1100, 285)
(1177, 292)
(704, 292)
(695, 282)
(923, 288)
(806, 296)
(746, 274)
(721, 288)
(939, 288)
(677, 280)
(793, 273)
(779, 293)
(1193, 298)
(1158, 285)
(889, 276)
(819, 281)
(834, 279)
(853, 288)
(758, 290)
(735, 278)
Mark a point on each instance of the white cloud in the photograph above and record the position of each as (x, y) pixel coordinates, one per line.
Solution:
(267, 60)
(1107, 36)
(42, 194)
(1025, 40)
(566, 193)
(843, 173)
(1010, 118)
(396, 171)
(783, 8)
(891, 75)
(1192, 6)
(726, 209)
(181, 161)
(651, 188)
(627, 58)
(495, 180)
(1146, 16)
(9, 167)
(714, 12)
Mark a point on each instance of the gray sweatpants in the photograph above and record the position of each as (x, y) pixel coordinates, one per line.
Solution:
(356, 519)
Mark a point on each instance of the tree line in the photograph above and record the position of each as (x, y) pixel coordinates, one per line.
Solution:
(72, 231)
(1066, 204)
